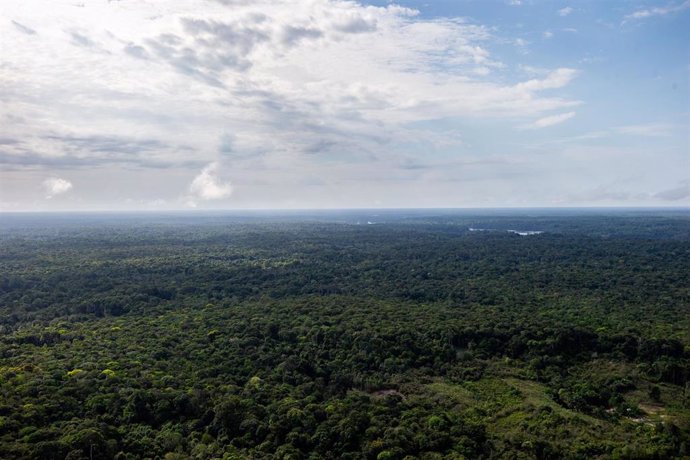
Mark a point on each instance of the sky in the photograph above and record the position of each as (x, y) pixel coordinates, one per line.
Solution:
(271, 104)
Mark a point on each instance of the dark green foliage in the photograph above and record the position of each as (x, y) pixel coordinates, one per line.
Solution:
(412, 339)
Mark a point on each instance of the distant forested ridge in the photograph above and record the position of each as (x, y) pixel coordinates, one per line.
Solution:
(354, 335)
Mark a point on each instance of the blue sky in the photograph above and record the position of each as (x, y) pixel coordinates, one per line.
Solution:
(631, 72)
(218, 104)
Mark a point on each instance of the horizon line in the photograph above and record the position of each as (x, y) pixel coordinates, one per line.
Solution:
(291, 210)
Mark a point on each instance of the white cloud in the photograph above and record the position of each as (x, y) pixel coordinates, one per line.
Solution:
(56, 186)
(515, 2)
(160, 81)
(208, 186)
(649, 130)
(548, 34)
(653, 130)
(552, 120)
(658, 11)
(317, 87)
(565, 11)
(482, 71)
(555, 79)
(532, 70)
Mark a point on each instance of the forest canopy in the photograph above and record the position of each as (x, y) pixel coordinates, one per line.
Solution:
(360, 335)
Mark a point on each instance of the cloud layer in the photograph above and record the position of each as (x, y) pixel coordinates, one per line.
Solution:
(297, 102)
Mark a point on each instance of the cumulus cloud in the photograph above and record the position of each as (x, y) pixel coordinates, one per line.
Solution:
(279, 72)
(565, 11)
(306, 87)
(56, 186)
(658, 11)
(552, 120)
(208, 186)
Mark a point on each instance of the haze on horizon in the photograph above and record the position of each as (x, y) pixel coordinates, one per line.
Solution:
(218, 104)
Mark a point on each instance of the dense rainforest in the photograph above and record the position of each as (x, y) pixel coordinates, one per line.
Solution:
(354, 335)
